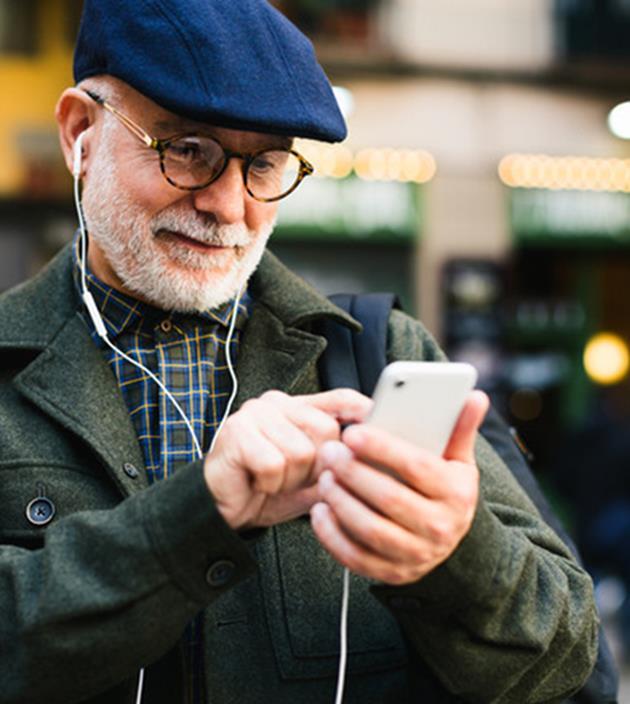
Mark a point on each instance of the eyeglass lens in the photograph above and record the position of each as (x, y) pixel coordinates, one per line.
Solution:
(194, 161)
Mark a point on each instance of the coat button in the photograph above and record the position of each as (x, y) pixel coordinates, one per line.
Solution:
(130, 470)
(40, 511)
(166, 325)
(220, 573)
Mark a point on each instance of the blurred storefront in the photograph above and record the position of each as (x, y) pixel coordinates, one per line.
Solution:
(36, 40)
(357, 226)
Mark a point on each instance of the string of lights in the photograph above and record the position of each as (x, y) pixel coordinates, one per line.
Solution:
(565, 173)
(338, 161)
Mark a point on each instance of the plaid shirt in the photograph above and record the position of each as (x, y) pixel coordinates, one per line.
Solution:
(187, 353)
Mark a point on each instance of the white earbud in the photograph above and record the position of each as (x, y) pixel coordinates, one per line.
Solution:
(78, 156)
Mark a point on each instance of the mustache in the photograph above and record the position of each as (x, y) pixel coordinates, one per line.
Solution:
(198, 227)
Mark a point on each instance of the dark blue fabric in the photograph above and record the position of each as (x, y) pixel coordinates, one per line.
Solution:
(363, 355)
(238, 64)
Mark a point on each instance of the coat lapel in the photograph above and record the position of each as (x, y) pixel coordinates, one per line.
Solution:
(273, 356)
(71, 382)
(278, 351)
(68, 379)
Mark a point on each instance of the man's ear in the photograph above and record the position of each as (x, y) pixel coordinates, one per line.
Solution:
(75, 113)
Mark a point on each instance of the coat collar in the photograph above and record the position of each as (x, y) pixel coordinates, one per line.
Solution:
(291, 299)
(33, 313)
(278, 351)
(69, 380)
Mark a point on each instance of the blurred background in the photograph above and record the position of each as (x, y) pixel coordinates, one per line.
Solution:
(485, 179)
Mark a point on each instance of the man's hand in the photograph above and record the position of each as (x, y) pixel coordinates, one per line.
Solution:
(261, 469)
(382, 528)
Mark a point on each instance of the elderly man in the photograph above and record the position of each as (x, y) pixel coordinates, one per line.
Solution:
(138, 539)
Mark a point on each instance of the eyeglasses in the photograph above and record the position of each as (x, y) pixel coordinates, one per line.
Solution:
(191, 162)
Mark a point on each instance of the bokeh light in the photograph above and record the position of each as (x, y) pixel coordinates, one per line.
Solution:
(619, 120)
(565, 173)
(606, 358)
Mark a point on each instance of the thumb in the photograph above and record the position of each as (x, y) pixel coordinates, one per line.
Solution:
(461, 446)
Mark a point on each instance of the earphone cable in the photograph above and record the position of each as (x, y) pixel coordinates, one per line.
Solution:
(343, 637)
(99, 325)
(228, 356)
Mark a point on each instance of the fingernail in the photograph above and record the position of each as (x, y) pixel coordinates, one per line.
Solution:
(326, 480)
(354, 434)
(334, 452)
(318, 511)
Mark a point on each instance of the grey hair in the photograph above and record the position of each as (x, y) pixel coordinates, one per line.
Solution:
(106, 87)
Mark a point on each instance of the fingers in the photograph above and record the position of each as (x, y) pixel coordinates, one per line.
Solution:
(297, 430)
(317, 424)
(355, 557)
(419, 468)
(293, 449)
(415, 466)
(382, 492)
(273, 447)
(367, 527)
(298, 425)
(262, 466)
(286, 506)
(461, 445)
(270, 444)
(319, 415)
(314, 415)
(266, 462)
(436, 517)
(379, 527)
(346, 405)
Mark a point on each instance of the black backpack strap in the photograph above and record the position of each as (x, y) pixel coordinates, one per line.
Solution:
(355, 360)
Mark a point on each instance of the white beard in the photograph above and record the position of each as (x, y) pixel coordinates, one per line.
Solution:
(150, 263)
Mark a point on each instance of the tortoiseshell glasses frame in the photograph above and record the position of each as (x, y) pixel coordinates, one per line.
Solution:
(201, 160)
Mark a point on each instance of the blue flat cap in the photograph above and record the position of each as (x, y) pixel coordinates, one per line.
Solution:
(231, 63)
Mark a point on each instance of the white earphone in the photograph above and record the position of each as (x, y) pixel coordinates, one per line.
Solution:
(77, 152)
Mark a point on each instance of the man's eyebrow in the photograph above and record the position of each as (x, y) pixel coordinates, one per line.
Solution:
(285, 142)
(175, 126)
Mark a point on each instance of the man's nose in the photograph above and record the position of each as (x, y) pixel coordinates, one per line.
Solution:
(225, 198)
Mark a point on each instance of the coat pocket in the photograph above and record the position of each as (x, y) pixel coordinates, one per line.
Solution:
(34, 495)
(302, 591)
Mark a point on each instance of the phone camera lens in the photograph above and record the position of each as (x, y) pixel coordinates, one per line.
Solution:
(398, 383)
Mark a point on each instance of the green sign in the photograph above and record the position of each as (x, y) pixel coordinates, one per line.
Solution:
(571, 217)
(350, 209)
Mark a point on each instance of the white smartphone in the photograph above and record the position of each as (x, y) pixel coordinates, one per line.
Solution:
(421, 401)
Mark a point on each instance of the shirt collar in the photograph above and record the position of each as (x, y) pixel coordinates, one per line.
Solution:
(122, 312)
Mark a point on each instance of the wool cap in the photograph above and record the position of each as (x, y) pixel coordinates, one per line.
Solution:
(231, 63)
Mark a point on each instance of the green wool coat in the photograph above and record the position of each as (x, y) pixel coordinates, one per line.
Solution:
(109, 584)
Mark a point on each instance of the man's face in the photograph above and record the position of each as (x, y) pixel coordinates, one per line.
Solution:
(179, 250)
